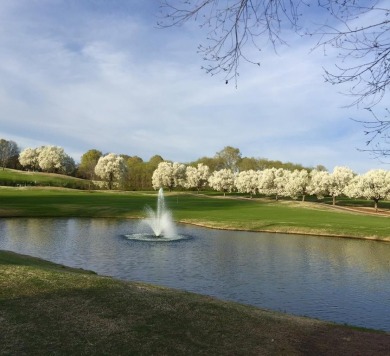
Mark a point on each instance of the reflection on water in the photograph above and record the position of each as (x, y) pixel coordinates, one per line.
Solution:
(341, 280)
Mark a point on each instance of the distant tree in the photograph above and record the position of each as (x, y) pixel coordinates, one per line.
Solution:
(267, 182)
(28, 158)
(54, 159)
(282, 177)
(249, 163)
(320, 167)
(111, 168)
(133, 160)
(88, 163)
(247, 182)
(168, 175)
(155, 160)
(69, 166)
(319, 183)
(222, 180)
(134, 176)
(338, 181)
(297, 184)
(210, 162)
(197, 177)
(229, 158)
(8, 150)
(373, 185)
(268, 164)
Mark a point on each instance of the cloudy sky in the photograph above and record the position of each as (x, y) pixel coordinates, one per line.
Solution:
(100, 74)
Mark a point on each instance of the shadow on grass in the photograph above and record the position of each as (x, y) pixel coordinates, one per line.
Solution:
(47, 308)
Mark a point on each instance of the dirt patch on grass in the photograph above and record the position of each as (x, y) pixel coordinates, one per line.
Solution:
(363, 210)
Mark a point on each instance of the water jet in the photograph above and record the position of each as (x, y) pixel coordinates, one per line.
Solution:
(160, 221)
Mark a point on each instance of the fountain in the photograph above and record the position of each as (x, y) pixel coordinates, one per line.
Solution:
(158, 225)
(160, 221)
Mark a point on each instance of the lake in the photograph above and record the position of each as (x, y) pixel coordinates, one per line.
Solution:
(335, 279)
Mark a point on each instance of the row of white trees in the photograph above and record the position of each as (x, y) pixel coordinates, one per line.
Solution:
(47, 158)
(373, 185)
(110, 168)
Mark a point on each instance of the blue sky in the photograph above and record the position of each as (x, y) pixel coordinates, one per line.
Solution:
(98, 74)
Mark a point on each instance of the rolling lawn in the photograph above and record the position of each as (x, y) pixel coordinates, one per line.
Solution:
(211, 211)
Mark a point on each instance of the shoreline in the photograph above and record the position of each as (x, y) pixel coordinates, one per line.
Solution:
(180, 291)
(205, 225)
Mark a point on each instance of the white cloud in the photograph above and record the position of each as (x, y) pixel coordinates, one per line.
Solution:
(110, 81)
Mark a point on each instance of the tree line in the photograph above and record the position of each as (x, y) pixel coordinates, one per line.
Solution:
(226, 171)
(278, 182)
(133, 173)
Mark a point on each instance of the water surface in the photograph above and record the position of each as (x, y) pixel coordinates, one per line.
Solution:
(341, 280)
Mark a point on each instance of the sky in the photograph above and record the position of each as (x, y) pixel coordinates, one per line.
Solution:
(97, 74)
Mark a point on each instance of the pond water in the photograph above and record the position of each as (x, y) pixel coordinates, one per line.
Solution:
(340, 280)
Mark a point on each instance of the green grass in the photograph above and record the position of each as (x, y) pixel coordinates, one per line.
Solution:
(51, 309)
(12, 177)
(211, 211)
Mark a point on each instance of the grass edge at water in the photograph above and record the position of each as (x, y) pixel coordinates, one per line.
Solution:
(48, 307)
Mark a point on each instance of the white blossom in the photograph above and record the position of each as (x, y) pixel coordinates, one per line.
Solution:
(247, 182)
(111, 168)
(267, 181)
(168, 175)
(338, 181)
(282, 177)
(29, 158)
(319, 183)
(222, 180)
(296, 183)
(197, 177)
(373, 185)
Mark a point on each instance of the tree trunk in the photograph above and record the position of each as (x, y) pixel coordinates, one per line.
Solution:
(334, 199)
(376, 205)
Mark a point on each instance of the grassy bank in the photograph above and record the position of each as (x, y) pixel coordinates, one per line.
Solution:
(211, 211)
(13, 177)
(48, 308)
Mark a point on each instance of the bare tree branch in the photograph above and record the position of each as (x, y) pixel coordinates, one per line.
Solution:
(377, 131)
(359, 30)
(232, 26)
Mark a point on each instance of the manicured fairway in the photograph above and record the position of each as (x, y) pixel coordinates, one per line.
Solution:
(211, 211)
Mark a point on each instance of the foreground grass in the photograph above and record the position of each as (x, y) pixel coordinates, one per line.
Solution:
(211, 211)
(48, 308)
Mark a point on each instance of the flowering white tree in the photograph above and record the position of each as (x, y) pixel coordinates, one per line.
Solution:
(54, 159)
(179, 174)
(373, 185)
(111, 168)
(297, 183)
(267, 181)
(29, 158)
(247, 182)
(338, 181)
(196, 177)
(222, 180)
(319, 183)
(168, 175)
(282, 177)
